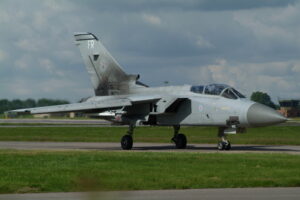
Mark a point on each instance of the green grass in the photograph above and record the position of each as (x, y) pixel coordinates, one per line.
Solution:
(33, 171)
(276, 135)
(295, 119)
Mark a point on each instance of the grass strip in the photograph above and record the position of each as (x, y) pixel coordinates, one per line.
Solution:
(274, 135)
(34, 171)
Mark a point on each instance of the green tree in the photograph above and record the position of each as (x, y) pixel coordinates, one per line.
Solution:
(17, 103)
(6, 105)
(30, 103)
(50, 102)
(263, 98)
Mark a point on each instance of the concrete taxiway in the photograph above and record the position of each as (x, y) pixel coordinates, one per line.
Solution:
(194, 194)
(155, 147)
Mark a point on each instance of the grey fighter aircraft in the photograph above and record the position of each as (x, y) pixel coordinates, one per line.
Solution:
(128, 101)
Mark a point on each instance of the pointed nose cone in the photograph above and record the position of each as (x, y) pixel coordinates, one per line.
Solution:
(261, 115)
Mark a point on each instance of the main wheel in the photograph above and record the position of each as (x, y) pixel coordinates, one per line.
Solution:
(126, 142)
(180, 141)
(224, 145)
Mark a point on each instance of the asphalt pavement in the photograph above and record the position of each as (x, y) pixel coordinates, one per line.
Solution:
(147, 147)
(194, 194)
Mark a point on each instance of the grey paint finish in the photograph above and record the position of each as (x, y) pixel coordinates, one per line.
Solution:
(107, 77)
(189, 194)
(260, 115)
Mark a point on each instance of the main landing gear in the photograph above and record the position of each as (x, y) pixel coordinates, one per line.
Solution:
(224, 144)
(127, 141)
(179, 139)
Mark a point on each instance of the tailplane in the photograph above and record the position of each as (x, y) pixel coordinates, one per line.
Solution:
(107, 76)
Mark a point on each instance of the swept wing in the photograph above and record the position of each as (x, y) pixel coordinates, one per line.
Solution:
(89, 106)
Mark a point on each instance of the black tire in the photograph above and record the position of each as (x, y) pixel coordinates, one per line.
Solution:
(224, 146)
(180, 141)
(228, 146)
(221, 146)
(126, 142)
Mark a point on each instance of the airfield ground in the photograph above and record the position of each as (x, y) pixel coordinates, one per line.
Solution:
(274, 135)
(23, 171)
(42, 171)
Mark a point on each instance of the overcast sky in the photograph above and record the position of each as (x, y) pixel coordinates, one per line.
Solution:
(249, 44)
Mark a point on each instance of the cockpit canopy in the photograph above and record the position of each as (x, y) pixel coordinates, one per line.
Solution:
(217, 89)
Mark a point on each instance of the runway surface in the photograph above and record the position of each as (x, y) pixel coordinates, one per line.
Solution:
(194, 194)
(144, 147)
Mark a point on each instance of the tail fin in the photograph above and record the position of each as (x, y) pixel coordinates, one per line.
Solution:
(107, 76)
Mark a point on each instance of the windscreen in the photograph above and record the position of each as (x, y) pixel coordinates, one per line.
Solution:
(197, 89)
(238, 93)
(229, 94)
(215, 89)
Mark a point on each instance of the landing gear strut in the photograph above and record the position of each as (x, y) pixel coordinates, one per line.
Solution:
(127, 141)
(179, 139)
(224, 144)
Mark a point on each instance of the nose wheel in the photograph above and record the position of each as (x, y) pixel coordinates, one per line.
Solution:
(224, 144)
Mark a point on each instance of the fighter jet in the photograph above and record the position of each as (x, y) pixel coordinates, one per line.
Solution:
(129, 101)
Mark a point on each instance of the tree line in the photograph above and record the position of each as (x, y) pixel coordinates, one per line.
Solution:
(6, 104)
(263, 98)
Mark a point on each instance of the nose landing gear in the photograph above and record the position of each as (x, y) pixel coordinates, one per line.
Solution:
(224, 144)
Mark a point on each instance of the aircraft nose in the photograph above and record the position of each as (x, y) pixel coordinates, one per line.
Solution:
(261, 115)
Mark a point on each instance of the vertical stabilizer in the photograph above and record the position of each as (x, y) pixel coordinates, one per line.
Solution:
(107, 76)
